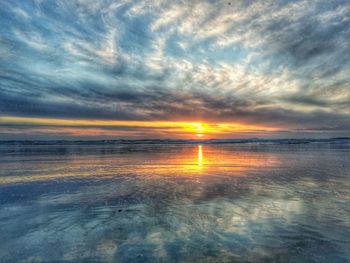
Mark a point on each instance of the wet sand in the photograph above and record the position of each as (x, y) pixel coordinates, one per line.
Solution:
(230, 202)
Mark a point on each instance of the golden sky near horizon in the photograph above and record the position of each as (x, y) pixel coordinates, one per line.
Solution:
(134, 129)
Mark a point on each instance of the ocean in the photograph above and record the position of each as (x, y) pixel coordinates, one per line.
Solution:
(175, 201)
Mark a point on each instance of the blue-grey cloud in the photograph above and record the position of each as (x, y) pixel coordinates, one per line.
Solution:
(281, 63)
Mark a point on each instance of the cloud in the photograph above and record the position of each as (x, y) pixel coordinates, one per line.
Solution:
(282, 63)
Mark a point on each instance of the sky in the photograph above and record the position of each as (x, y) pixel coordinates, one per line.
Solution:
(112, 69)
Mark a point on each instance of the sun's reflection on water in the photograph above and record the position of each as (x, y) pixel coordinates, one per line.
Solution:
(200, 156)
(160, 160)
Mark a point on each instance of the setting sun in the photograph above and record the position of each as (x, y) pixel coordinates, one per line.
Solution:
(134, 129)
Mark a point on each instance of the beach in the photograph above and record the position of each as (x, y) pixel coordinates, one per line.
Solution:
(146, 201)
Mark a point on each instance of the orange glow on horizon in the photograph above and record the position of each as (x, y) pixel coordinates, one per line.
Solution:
(161, 129)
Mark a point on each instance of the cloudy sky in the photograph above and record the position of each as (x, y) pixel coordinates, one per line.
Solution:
(174, 69)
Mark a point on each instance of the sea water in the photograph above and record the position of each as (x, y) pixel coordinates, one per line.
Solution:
(158, 201)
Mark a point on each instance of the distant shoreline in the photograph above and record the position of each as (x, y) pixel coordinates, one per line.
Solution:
(172, 141)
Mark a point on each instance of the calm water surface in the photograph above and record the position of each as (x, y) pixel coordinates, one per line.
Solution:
(253, 202)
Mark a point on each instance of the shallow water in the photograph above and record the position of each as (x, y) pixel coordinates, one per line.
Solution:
(249, 202)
